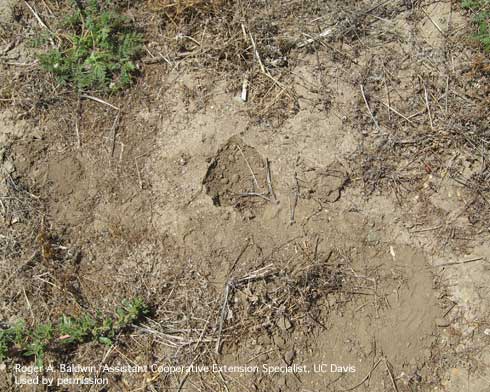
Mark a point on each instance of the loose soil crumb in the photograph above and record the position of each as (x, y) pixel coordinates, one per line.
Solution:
(236, 176)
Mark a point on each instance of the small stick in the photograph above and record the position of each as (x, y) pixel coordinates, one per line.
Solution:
(139, 174)
(114, 132)
(387, 92)
(244, 31)
(249, 167)
(427, 105)
(252, 194)
(40, 21)
(257, 55)
(237, 259)
(99, 101)
(391, 375)
(295, 199)
(224, 313)
(77, 126)
(398, 113)
(269, 181)
(449, 310)
(28, 305)
(122, 152)
(77, 132)
(262, 67)
(434, 23)
(104, 358)
(199, 341)
(368, 108)
(327, 32)
(447, 93)
(244, 95)
(459, 262)
(14, 64)
(261, 273)
(323, 34)
(426, 229)
(365, 378)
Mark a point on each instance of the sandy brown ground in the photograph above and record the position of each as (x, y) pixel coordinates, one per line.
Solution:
(353, 259)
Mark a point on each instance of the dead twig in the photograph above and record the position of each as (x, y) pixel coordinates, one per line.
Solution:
(341, 28)
(460, 262)
(269, 181)
(426, 229)
(368, 108)
(77, 124)
(115, 125)
(434, 23)
(255, 194)
(365, 378)
(40, 21)
(249, 167)
(427, 105)
(390, 372)
(294, 203)
(257, 55)
(95, 99)
(398, 113)
(325, 33)
(223, 314)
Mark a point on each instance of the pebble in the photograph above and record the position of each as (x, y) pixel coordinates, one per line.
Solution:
(235, 178)
(284, 323)
(224, 181)
(9, 167)
(289, 357)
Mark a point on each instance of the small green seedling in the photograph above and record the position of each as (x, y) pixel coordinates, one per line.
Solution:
(481, 10)
(69, 331)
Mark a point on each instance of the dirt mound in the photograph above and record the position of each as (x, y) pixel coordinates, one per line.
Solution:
(237, 176)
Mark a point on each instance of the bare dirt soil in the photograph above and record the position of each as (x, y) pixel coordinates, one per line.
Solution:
(338, 216)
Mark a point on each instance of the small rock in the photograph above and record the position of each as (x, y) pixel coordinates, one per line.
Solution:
(487, 332)
(442, 322)
(289, 357)
(235, 178)
(284, 324)
(224, 181)
(9, 167)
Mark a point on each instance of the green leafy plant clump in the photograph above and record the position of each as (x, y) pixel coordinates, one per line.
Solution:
(18, 339)
(481, 10)
(96, 49)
